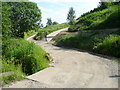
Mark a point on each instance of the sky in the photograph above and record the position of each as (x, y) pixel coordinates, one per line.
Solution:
(57, 10)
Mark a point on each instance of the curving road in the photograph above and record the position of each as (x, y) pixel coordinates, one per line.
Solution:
(72, 69)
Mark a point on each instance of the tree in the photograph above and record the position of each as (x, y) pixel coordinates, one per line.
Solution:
(41, 25)
(25, 16)
(49, 21)
(55, 23)
(6, 21)
(71, 15)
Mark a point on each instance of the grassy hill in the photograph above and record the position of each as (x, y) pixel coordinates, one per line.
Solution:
(101, 19)
(99, 31)
(50, 29)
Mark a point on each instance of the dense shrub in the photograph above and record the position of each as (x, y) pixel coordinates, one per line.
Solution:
(109, 46)
(24, 53)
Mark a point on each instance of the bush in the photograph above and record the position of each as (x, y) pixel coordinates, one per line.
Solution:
(109, 46)
(24, 53)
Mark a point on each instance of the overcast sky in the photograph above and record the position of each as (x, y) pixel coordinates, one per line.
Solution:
(57, 9)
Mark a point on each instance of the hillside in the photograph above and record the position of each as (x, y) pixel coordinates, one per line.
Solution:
(50, 29)
(99, 31)
(101, 19)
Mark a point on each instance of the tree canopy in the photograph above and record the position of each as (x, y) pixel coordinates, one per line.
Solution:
(24, 16)
(6, 22)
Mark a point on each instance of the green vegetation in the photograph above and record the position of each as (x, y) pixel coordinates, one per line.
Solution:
(24, 58)
(31, 57)
(29, 33)
(19, 17)
(97, 31)
(107, 45)
(16, 72)
(50, 29)
(20, 57)
(6, 22)
(101, 19)
(22, 19)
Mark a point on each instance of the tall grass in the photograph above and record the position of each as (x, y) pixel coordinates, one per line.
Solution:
(28, 55)
(21, 58)
(15, 72)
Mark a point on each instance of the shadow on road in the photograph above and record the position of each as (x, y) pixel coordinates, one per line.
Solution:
(115, 76)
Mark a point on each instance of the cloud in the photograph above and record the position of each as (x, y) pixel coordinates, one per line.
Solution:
(55, 15)
(58, 11)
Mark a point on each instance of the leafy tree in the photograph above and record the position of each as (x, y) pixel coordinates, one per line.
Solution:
(49, 21)
(55, 23)
(6, 21)
(71, 15)
(25, 16)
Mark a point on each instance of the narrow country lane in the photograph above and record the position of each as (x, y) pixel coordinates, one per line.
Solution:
(72, 69)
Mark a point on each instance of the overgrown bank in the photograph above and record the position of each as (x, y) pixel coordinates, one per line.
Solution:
(22, 58)
(107, 45)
